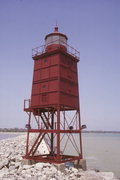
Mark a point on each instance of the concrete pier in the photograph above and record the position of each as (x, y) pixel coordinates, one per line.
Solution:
(80, 164)
(60, 167)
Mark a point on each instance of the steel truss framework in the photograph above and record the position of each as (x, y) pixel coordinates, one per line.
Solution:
(58, 130)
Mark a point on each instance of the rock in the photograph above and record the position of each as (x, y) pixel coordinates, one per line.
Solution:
(11, 167)
(74, 170)
(7, 154)
(53, 170)
(39, 166)
(17, 164)
(44, 177)
(26, 167)
(19, 159)
(2, 174)
(107, 175)
(4, 163)
(32, 178)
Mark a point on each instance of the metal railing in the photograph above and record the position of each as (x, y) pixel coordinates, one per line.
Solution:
(42, 49)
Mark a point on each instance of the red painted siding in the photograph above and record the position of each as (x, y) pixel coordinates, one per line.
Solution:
(55, 81)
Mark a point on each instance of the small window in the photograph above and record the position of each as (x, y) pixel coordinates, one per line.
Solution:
(44, 86)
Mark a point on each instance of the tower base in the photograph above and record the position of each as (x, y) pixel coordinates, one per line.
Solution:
(80, 164)
(53, 158)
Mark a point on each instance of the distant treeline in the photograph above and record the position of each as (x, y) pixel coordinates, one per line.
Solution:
(101, 131)
(12, 130)
(24, 130)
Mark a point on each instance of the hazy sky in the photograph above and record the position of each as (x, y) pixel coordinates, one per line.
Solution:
(93, 28)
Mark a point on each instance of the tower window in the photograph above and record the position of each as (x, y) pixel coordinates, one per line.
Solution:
(44, 86)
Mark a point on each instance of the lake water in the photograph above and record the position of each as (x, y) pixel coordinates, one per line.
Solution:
(101, 150)
(8, 135)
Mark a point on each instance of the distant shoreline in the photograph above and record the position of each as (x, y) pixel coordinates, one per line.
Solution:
(20, 133)
(5, 130)
(101, 132)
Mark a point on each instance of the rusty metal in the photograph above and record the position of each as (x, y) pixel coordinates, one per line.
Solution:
(54, 97)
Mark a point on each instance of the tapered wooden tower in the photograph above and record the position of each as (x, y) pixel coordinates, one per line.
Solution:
(54, 110)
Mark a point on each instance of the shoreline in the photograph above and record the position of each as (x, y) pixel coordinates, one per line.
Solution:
(11, 168)
(104, 132)
(99, 132)
(13, 132)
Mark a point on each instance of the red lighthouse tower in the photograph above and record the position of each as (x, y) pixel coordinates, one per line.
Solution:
(54, 110)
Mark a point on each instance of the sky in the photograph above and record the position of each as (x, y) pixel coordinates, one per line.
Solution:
(92, 27)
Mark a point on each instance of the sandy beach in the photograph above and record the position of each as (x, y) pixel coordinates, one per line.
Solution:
(11, 167)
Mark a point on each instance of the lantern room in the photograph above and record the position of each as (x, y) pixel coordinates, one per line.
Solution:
(55, 40)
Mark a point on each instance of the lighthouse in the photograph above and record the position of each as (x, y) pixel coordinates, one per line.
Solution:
(54, 109)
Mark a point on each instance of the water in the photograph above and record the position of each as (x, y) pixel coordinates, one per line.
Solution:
(7, 135)
(101, 150)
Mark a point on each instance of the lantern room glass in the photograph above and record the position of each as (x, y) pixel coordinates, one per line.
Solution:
(56, 39)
